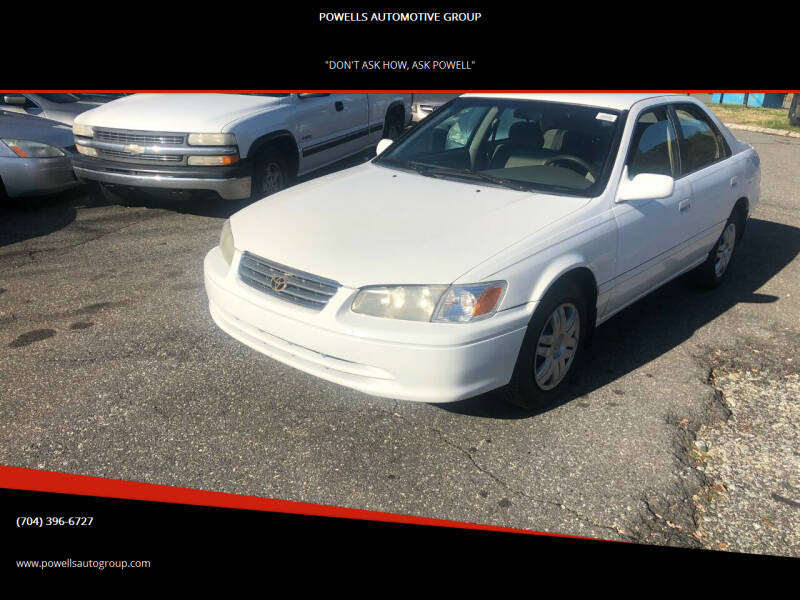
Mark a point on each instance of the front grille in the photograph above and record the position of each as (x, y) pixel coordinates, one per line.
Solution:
(116, 154)
(151, 138)
(286, 283)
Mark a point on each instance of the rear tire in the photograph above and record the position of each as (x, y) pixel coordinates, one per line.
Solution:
(551, 349)
(712, 272)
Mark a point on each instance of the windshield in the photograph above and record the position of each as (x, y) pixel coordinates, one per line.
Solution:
(60, 98)
(523, 144)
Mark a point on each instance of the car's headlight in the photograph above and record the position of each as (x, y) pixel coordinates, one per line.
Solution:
(29, 149)
(465, 303)
(83, 130)
(226, 242)
(438, 303)
(211, 139)
(406, 302)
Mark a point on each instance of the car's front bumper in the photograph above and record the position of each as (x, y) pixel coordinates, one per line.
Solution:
(231, 183)
(427, 362)
(35, 176)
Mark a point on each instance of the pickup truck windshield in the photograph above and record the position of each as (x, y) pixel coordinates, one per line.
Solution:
(521, 144)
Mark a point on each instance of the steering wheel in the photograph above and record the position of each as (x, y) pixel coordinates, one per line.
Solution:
(588, 169)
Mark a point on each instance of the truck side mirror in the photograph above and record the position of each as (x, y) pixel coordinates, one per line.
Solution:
(15, 99)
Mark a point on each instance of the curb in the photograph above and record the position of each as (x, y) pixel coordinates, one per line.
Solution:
(768, 130)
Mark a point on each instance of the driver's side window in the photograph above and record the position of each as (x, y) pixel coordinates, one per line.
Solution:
(654, 147)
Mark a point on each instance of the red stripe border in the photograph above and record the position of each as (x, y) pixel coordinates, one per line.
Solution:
(17, 478)
(373, 91)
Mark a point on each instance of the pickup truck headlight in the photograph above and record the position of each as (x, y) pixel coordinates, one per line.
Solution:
(82, 130)
(211, 139)
(438, 303)
(212, 161)
(85, 150)
(29, 149)
(226, 242)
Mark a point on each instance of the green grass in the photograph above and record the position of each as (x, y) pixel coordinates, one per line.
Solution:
(773, 118)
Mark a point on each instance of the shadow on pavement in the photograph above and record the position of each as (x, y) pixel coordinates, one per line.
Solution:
(26, 218)
(665, 319)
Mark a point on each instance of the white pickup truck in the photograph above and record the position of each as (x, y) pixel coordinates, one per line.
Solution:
(237, 145)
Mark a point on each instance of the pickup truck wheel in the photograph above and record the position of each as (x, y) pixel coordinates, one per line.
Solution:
(712, 272)
(271, 174)
(394, 125)
(551, 348)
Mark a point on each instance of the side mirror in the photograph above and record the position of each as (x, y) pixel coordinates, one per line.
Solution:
(383, 145)
(15, 99)
(644, 186)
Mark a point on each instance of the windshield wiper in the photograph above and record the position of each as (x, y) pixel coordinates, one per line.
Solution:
(434, 171)
(465, 174)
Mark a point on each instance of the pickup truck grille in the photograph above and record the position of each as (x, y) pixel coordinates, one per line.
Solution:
(122, 136)
(286, 283)
(116, 155)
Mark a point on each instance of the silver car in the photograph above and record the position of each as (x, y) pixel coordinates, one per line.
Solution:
(34, 155)
(57, 107)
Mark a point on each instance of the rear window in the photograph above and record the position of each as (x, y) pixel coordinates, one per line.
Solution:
(701, 143)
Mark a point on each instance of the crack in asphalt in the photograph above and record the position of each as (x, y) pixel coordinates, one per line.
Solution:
(556, 503)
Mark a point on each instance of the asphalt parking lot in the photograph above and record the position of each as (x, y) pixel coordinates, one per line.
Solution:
(111, 366)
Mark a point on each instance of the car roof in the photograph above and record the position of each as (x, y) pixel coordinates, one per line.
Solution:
(612, 101)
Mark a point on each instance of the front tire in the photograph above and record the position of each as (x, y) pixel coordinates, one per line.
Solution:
(270, 174)
(552, 346)
(394, 125)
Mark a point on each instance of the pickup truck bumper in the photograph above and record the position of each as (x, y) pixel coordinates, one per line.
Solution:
(231, 183)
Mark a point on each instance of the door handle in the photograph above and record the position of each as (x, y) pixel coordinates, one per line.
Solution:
(339, 106)
(734, 181)
(684, 205)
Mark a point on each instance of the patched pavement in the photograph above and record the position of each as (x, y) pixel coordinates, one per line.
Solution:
(111, 365)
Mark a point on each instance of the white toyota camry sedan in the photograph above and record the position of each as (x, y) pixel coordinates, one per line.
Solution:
(480, 249)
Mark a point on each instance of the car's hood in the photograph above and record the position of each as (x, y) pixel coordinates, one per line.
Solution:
(35, 129)
(199, 113)
(372, 225)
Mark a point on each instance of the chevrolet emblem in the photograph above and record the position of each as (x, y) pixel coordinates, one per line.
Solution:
(133, 149)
